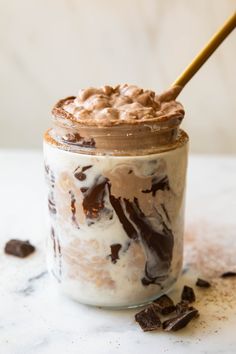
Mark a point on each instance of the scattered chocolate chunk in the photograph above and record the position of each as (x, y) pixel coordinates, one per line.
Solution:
(19, 248)
(164, 305)
(180, 321)
(182, 307)
(228, 274)
(188, 294)
(130, 171)
(202, 283)
(115, 248)
(148, 319)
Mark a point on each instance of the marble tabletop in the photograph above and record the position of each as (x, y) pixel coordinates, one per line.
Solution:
(34, 318)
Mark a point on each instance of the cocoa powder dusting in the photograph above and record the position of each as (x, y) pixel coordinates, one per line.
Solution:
(209, 257)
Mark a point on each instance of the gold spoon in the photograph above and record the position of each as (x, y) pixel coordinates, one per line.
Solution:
(204, 54)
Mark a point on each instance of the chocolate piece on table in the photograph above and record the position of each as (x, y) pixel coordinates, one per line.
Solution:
(164, 305)
(19, 248)
(148, 319)
(228, 274)
(180, 321)
(202, 283)
(188, 294)
(182, 307)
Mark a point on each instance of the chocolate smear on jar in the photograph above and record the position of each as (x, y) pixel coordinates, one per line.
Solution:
(73, 208)
(158, 244)
(80, 175)
(115, 248)
(93, 202)
(158, 184)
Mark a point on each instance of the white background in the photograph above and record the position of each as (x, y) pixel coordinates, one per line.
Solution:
(50, 49)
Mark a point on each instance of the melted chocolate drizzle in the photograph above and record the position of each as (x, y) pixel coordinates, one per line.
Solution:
(158, 244)
(127, 225)
(158, 184)
(93, 202)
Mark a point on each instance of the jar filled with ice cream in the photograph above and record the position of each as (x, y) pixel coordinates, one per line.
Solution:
(115, 162)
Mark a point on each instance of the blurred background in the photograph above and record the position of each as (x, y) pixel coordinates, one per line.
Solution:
(50, 49)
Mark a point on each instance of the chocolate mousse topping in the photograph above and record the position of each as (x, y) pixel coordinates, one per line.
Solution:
(122, 104)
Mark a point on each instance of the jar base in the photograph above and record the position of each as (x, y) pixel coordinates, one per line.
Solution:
(122, 307)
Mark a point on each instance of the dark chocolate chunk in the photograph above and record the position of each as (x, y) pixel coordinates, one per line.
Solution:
(228, 274)
(158, 184)
(80, 176)
(164, 305)
(115, 248)
(19, 248)
(148, 319)
(182, 307)
(202, 283)
(130, 171)
(188, 294)
(180, 321)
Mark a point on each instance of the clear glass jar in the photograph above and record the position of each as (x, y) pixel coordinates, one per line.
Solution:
(116, 205)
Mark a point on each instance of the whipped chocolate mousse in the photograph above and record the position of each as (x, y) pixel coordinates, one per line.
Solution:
(115, 163)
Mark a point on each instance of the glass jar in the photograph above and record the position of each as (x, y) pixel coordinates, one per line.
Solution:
(116, 205)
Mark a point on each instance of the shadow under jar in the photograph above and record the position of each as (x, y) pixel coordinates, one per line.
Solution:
(116, 205)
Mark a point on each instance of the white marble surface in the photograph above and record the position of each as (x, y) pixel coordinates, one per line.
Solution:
(50, 49)
(35, 319)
